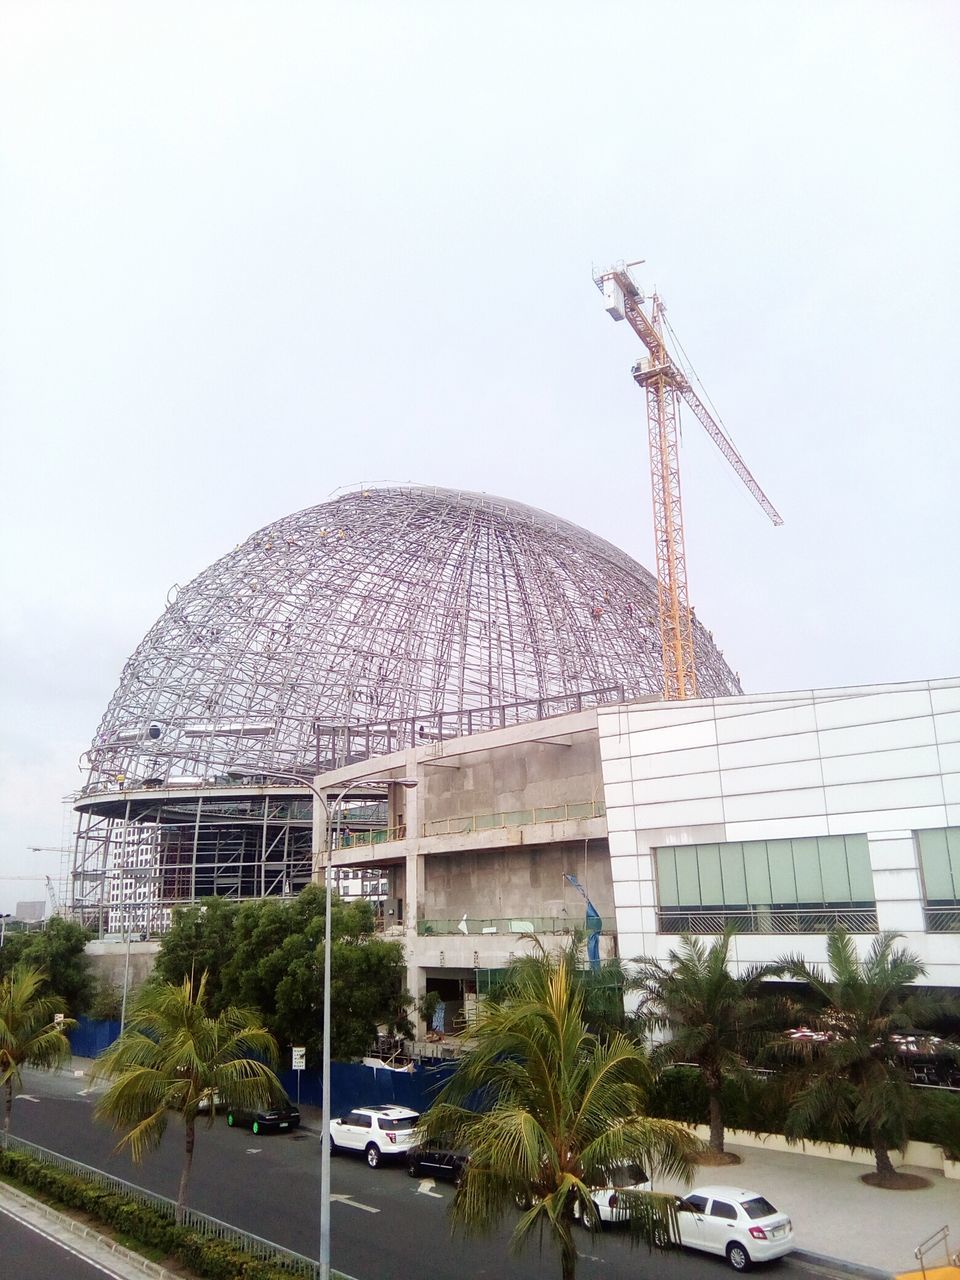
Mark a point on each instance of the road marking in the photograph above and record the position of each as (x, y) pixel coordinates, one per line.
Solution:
(355, 1204)
(27, 1097)
(254, 1151)
(426, 1189)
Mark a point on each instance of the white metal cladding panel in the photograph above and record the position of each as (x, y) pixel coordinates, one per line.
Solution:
(945, 697)
(949, 753)
(614, 747)
(871, 708)
(619, 770)
(626, 893)
(658, 715)
(773, 777)
(899, 916)
(622, 843)
(693, 786)
(801, 803)
(953, 816)
(792, 746)
(951, 788)
(948, 726)
(681, 813)
(899, 884)
(889, 855)
(745, 724)
(624, 869)
(680, 737)
(907, 762)
(863, 738)
(618, 793)
(667, 764)
(845, 824)
(620, 819)
(893, 793)
(943, 975)
(942, 948)
(778, 828)
(637, 920)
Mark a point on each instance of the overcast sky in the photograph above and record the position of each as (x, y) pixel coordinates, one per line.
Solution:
(254, 252)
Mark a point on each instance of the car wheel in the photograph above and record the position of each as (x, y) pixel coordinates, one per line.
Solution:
(661, 1238)
(738, 1257)
(256, 1126)
(230, 1120)
(522, 1200)
(373, 1155)
(459, 1178)
(413, 1169)
(334, 1149)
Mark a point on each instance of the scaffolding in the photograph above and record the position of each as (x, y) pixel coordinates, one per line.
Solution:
(382, 618)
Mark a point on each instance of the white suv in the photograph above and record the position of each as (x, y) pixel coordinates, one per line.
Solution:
(381, 1132)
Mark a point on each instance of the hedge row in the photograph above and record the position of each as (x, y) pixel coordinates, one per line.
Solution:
(761, 1105)
(210, 1258)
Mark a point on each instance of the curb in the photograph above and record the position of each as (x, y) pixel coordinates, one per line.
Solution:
(840, 1264)
(14, 1200)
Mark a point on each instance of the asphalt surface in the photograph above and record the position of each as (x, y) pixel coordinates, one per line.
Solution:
(384, 1225)
(29, 1253)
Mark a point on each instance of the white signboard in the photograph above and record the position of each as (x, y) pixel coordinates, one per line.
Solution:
(299, 1059)
(57, 1018)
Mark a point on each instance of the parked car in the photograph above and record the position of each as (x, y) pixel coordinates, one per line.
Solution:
(436, 1161)
(381, 1132)
(741, 1225)
(609, 1197)
(269, 1119)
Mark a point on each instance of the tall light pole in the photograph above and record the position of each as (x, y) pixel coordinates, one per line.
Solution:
(329, 809)
(4, 917)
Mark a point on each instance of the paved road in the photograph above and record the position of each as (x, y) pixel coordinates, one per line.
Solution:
(384, 1225)
(29, 1254)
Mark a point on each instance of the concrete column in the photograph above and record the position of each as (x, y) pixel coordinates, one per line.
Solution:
(413, 893)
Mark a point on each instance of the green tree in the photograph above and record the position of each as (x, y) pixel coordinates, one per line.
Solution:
(175, 1054)
(855, 1077)
(59, 950)
(200, 940)
(715, 1019)
(29, 1034)
(563, 1109)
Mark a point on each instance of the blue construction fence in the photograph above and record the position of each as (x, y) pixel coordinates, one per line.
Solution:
(351, 1083)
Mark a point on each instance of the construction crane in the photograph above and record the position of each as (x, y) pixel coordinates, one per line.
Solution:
(665, 384)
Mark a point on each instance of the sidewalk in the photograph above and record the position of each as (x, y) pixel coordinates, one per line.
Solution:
(836, 1217)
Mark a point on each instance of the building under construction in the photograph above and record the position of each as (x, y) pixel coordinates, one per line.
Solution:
(388, 617)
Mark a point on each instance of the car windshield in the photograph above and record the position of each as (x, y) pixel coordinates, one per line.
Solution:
(627, 1175)
(758, 1207)
(408, 1122)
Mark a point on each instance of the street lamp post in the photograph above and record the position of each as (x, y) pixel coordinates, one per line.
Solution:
(4, 917)
(329, 809)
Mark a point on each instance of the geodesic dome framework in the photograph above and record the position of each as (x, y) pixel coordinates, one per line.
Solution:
(381, 617)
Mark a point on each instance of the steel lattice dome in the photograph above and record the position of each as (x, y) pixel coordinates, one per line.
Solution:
(384, 606)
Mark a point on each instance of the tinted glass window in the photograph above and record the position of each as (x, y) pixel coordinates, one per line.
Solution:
(399, 1126)
(759, 1207)
(356, 1118)
(696, 1203)
(720, 1209)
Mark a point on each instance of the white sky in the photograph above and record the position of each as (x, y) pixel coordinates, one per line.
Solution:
(253, 252)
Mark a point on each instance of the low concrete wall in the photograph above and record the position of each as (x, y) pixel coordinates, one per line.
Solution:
(922, 1155)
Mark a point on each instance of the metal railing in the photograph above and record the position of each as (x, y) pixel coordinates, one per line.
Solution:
(514, 818)
(473, 928)
(941, 1237)
(942, 919)
(367, 839)
(263, 1250)
(767, 919)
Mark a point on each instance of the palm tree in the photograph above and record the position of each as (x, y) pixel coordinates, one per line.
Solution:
(30, 1032)
(854, 1072)
(173, 1054)
(715, 1019)
(563, 1109)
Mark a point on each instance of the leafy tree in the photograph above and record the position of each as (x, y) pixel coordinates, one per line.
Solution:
(29, 1036)
(200, 940)
(716, 1020)
(107, 1002)
(855, 1076)
(175, 1054)
(59, 950)
(564, 1108)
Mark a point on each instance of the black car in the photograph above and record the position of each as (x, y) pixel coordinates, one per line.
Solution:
(437, 1162)
(265, 1119)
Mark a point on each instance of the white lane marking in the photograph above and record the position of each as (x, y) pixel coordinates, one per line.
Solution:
(426, 1189)
(254, 1151)
(27, 1097)
(97, 1266)
(355, 1204)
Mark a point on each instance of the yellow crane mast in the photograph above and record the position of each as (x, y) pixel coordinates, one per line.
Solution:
(665, 384)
